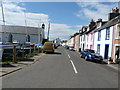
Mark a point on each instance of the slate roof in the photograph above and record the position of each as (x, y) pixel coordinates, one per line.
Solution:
(19, 29)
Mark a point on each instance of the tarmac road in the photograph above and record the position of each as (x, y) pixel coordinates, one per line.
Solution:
(63, 69)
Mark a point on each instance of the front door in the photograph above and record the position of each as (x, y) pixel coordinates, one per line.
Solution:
(106, 51)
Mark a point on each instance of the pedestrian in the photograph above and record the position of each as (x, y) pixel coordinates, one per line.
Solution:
(117, 53)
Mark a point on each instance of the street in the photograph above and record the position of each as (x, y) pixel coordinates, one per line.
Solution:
(63, 69)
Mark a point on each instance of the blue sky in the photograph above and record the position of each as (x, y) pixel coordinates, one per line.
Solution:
(66, 18)
(59, 12)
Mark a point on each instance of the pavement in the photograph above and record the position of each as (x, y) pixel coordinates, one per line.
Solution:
(15, 67)
(111, 64)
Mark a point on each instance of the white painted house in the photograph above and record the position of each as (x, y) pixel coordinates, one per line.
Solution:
(103, 36)
(83, 38)
(103, 41)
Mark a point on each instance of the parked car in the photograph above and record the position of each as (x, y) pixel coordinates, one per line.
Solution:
(71, 48)
(48, 47)
(66, 46)
(20, 52)
(91, 55)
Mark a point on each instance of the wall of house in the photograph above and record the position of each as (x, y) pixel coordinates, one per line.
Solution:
(116, 42)
(77, 42)
(89, 40)
(71, 42)
(19, 33)
(83, 42)
(103, 42)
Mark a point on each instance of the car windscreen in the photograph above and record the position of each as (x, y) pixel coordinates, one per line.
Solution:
(91, 51)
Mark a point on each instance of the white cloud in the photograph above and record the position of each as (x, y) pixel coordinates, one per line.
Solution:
(62, 31)
(14, 15)
(95, 10)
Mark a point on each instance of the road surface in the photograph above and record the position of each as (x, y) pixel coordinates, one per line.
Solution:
(63, 69)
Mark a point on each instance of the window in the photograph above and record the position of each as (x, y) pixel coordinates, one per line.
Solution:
(118, 32)
(99, 25)
(10, 38)
(99, 35)
(98, 48)
(107, 33)
(84, 38)
(117, 52)
(28, 38)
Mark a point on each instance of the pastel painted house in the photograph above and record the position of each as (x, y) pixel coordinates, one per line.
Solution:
(116, 38)
(90, 35)
(103, 37)
(71, 41)
(83, 38)
(77, 41)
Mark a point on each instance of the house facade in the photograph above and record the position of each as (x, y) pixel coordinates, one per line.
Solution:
(82, 37)
(77, 41)
(103, 41)
(90, 35)
(104, 36)
(71, 41)
(116, 41)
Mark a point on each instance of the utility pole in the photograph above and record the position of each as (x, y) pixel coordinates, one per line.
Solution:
(119, 5)
(48, 31)
(26, 26)
(3, 16)
(3, 19)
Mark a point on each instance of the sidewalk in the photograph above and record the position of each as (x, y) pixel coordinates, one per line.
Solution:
(15, 67)
(112, 65)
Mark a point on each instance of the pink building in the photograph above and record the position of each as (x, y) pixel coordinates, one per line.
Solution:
(90, 35)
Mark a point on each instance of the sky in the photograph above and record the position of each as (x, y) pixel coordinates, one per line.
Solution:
(65, 18)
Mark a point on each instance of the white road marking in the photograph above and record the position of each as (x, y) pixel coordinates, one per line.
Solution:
(68, 55)
(74, 67)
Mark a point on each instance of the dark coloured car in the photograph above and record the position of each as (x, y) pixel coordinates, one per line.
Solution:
(91, 55)
(66, 46)
(71, 48)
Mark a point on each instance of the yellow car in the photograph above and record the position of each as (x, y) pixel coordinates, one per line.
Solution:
(48, 47)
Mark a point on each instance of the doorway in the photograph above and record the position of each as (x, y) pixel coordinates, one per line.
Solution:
(106, 51)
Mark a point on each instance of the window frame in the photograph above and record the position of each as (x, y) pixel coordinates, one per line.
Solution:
(107, 36)
(99, 35)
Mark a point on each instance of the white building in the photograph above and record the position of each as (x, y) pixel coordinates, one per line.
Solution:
(103, 41)
(21, 34)
(82, 38)
(103, 37)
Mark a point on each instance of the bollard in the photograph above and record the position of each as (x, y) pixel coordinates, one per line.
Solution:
(14, 54)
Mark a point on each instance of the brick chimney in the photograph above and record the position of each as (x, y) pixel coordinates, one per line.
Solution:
(113, 14)
(92, 24)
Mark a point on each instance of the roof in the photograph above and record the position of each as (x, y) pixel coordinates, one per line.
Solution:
(19, 29)
(114, 21)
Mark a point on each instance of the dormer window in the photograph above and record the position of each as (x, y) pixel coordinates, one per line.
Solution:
(99, 25)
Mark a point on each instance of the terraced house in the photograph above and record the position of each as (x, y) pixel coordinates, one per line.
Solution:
(103, 38)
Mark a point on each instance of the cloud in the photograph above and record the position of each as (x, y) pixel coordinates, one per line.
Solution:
(62, 31)
(94, 10)
(14, 15)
